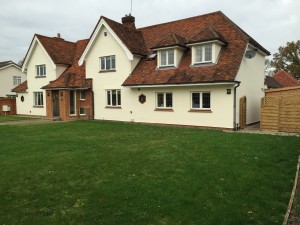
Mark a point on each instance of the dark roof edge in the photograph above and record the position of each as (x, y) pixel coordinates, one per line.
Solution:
(194, 83)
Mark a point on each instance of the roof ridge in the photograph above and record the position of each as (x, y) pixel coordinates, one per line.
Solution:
(175, 21)
(54, 38)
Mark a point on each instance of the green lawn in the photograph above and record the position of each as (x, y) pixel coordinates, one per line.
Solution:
(13, 118)
(93, 172)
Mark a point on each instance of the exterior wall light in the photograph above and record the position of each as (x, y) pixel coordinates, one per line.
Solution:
(228, 91)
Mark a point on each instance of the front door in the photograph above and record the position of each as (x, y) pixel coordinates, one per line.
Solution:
(55, 103)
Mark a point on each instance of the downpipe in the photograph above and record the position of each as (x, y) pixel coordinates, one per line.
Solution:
(235, 125)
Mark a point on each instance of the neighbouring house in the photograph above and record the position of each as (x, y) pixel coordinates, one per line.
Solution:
(11, 76)
(281, 79)
(192, 71)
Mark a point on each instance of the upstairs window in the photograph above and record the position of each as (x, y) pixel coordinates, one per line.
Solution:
(113, 98)
(164, 100)
(16, 80)
(82, 95)
(200, 100)
(107, 63)
(41, 70)
(203, 54)
(167, 58)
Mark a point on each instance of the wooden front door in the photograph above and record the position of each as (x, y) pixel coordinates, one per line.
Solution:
(55, 103)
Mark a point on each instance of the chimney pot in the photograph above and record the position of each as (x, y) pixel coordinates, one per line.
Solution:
(58, 35)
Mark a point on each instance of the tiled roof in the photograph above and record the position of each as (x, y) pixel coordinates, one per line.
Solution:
(74, 76)
(7, 63)
(59, 50)
(132, 38)
(285, 79)
(271, 82)
(20, 88)
(206, 34)
(146, 73)
(171, 39)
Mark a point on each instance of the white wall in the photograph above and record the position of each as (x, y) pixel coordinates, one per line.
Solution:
(132, 110)
(38, 57)
(251, 75)
(6, 79)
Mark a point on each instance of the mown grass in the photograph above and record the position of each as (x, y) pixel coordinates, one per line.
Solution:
(13, 118)
(92, 172)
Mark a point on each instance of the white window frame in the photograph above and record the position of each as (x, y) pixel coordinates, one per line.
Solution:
(41, 70)
(109, 98)
(112, 63)
(200, 100)
(82, 94)
(16, 80)
(38, 98)
(168, 63)
(203, 52)
(164, 105)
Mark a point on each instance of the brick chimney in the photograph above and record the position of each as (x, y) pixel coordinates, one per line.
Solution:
(129, 21)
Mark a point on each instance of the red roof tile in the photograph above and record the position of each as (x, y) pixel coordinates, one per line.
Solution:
(132, 38)
(74, 76)
(171, 39)
(206, 34)
(20, 88)
(146, 73)
(285, 79)
(59, 50)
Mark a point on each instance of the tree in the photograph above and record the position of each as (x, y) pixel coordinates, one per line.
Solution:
(288, 58)
(269, 70)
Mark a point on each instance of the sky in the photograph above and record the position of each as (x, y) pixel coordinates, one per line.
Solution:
(272, 23)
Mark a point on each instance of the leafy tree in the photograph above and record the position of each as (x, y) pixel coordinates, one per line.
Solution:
(288, 58)
(269, 70)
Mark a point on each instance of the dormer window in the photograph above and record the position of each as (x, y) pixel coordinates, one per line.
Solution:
(203, 53)
(167, 58)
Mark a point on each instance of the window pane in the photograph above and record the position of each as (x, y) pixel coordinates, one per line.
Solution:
(113, 62)
(160, 100)
(119, 97)
(82, 111)
(198, 54)
(171, 57)
(163, 58)
(206, 100)
(208, 53)
(114, 97)
(195, 100)
(108, 63)
(108, 98)
(102, 63)
(72, 102)
(169, 100)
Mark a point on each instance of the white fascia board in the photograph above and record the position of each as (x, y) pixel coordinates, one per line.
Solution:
(256, 49)
(30, 52)
(182, 85)
(207, 42)
(167, 48)
(19, 68)
(93, 38)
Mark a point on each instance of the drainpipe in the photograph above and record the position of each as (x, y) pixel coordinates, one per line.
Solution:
(234, 106)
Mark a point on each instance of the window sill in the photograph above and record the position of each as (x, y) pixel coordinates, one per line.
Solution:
(113, 107)
(203, 64)
(40, 76)
(107, 71)
(72, 115)
(82, 99)
(163, 110)
(200, 110)
(166, 67)
(38, 106)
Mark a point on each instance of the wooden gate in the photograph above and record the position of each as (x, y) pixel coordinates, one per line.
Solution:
(243, 112)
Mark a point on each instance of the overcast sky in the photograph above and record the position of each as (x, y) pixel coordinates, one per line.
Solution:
(270, 22)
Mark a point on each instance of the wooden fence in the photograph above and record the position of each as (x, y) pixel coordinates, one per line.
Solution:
(280, 113)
